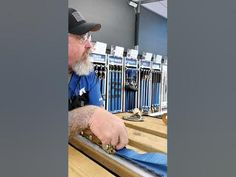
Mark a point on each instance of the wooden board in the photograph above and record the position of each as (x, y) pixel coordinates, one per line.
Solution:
(150, 125)
(135, 149)
(80, 165)
(146, 142)
(109, 163)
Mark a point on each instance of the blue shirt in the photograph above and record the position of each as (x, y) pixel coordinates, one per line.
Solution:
(86, 84)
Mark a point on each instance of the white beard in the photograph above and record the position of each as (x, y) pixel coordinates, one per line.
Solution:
(83, 67)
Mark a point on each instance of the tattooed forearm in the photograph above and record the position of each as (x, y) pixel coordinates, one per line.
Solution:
(78, 119)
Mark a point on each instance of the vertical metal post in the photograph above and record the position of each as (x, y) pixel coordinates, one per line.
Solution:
(137, 19)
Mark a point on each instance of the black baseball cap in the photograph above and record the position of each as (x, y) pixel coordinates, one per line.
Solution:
(78, 25)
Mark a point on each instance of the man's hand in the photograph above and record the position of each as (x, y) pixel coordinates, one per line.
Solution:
(108, 128)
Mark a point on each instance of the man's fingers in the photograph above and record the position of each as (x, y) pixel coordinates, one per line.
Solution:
(106, 141)
(115, 140)
(123, 140)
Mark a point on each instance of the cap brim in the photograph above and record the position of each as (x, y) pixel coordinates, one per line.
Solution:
(85, 27)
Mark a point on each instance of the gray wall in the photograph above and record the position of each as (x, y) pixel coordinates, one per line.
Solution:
(118, 24)
(152, 32)
(116, 16)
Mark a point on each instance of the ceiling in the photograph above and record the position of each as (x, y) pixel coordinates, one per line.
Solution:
(157, 6)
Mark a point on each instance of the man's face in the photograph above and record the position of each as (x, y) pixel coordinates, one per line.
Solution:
(78, 49)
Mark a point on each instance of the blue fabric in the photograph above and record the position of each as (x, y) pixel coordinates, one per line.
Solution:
(155, 162)
(90, 84)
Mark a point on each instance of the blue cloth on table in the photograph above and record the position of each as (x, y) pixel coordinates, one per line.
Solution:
(155, 162)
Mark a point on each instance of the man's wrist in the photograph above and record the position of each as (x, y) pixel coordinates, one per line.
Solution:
(80, 118)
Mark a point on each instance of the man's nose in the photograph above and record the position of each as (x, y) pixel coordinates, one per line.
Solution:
(88, 44)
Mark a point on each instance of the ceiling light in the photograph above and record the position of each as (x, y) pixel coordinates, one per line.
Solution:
(133, 4)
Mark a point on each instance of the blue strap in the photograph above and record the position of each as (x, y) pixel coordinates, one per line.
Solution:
(155, 162)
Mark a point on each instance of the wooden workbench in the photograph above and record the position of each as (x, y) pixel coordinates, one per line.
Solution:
(147, 136)
(81, 165)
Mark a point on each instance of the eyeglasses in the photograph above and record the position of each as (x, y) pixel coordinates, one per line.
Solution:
(85, 37)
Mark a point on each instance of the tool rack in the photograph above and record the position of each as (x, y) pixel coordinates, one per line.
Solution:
(155, 88)
(99, 59)
(127, 83)
(131, 81)
(144, 86)
(99, 62)
(164, 86)
(115, 80)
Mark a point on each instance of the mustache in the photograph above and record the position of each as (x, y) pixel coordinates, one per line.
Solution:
(86, 54)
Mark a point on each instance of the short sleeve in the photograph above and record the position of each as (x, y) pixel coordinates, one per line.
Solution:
(95, 97)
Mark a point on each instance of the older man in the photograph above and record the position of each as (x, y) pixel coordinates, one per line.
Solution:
(85, 99)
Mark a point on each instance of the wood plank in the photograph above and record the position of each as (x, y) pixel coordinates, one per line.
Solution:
(135, 149)
(150, 125)
(146, 142)
(109, 163)
(80, 165)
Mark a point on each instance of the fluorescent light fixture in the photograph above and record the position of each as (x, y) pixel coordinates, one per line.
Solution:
(133, 4)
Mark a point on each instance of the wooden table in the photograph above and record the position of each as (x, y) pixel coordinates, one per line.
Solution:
(147, 136)
(150, 125)
(80, 165)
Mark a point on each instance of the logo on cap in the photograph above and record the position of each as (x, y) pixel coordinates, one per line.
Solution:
(77, 16)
